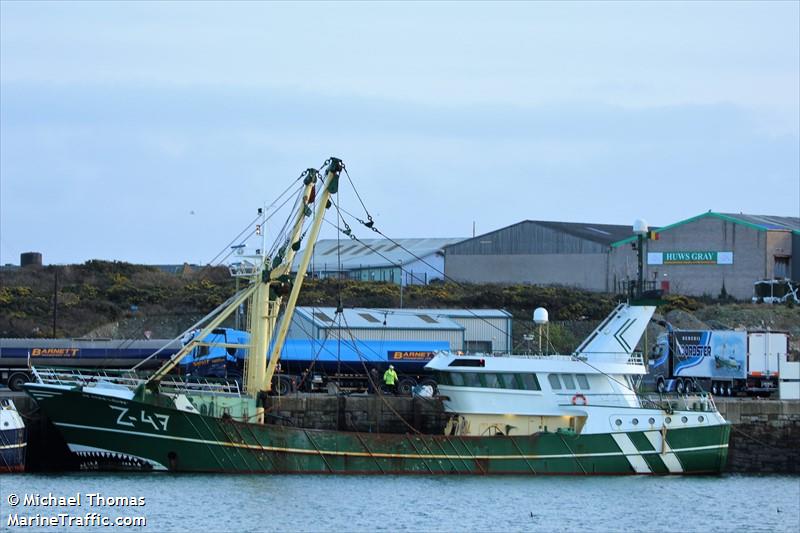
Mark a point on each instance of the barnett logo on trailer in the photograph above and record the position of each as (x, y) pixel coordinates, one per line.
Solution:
(55, 352)
(398, 355)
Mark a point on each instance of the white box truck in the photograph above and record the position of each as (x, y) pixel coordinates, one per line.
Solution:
(724, 362)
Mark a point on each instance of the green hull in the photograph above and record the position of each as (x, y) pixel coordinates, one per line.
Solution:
(111, 432)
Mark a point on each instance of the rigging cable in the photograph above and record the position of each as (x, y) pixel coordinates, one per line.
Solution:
(369, 224)
(378, 390)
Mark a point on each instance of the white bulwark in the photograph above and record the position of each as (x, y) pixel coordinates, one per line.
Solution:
(474, 331)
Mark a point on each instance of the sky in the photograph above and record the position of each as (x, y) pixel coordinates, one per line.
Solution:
(151, 132)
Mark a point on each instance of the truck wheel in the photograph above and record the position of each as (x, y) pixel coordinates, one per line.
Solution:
(689, 386)
(284, 386)
(16, 381)
(406, 386)
(728, 390)
(714, 388)
(679, 387)
(661, 386)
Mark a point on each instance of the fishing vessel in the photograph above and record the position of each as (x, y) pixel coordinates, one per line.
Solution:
(532, 414)
(13, 438)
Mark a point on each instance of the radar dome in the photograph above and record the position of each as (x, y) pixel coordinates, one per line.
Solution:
(639, 226)
(540, 315)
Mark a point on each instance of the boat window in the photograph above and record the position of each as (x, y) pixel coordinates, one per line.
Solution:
(508, 381)
(456, 378)
(491, 381)
(467, 362)
(471, 379)
(569, 383)
(529, 382)
(443, 378)
(582, 381)
(555, 384)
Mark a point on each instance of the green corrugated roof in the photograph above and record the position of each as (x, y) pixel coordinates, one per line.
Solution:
(756, 222)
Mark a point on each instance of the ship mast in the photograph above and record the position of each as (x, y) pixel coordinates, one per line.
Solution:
(265, 304)
(267, 286)
(268, 295)
(333, 170)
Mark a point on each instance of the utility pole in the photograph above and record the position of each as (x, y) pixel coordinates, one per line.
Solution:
(400, 266)
(55, 300)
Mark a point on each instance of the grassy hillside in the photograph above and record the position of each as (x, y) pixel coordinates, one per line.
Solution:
(98, 292)
(121, 300)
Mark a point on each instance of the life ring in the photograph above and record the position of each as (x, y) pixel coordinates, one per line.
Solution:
(579, 398)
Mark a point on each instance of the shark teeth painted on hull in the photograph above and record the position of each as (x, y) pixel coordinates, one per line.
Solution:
(92, 458)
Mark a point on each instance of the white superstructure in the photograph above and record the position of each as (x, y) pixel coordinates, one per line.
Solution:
(591, 391)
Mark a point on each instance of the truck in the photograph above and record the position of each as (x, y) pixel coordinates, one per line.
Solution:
(724, 362)
(18, 355)
(306, 364)
(776, 291)
(313, 365)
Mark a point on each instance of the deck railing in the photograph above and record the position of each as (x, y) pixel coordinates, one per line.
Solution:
(679, 402)
(634, 359)
(665, 402)
(130, 379)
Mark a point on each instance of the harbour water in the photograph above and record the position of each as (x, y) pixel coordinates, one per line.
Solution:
(243, 503)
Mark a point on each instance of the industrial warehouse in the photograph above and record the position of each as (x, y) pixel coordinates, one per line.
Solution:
(711, 254)
(717, 254)
(401, 261)
(541, 253)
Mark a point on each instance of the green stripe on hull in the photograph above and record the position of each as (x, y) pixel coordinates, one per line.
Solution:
(191, 442)
(653, 460)
(694, 460)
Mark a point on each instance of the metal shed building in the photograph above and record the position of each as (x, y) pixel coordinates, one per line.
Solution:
(468, 330)
(539, 252)
(406, 261)
(485, 330)
(371, 324)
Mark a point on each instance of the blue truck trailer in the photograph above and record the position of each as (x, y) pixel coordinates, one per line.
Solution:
(18, 355)
(314, 364)
(308, 364)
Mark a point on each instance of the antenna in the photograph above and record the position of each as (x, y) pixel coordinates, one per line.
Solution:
(261, 230)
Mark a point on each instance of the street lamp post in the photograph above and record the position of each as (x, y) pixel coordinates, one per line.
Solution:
(640, 230)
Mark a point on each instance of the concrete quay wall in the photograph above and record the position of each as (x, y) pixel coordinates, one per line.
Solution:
(370, 414)
(765, 437)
